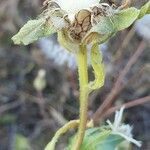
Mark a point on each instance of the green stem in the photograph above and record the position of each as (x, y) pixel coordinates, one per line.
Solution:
(83, 83)
(70, 125)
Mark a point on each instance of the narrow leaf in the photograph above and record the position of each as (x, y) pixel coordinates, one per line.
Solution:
(98, 67)
(144, 10)
(32, 31)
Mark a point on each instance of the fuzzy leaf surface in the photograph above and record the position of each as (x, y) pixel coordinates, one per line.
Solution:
(144, 10)
(97, 139)
(108, 26)
(98, 67)
(32, 31)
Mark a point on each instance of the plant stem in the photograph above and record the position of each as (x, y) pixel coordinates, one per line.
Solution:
(83, 83)
(70, 125)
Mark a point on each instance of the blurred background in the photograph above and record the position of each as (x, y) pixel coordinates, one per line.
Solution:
(30, 114)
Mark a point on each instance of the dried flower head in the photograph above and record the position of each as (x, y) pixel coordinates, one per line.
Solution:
(77, 17)
(79, 22)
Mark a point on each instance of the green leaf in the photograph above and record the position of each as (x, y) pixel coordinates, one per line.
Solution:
(98, 139)
(91, 141)
(110, 143)
(105, 26)
(108, 26)
(144, 10)
(125, 18)
(32, 31)
(98, 67)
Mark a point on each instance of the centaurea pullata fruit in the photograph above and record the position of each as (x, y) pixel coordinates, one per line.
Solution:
(79, 24)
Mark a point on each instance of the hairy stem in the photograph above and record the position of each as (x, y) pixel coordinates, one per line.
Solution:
(70, 125)
(83, 83)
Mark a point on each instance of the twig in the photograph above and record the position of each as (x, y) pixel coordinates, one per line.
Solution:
(119, 53)
(41, 104)
(9, 106)
(57, 116)
(119, 84)
(130, 104)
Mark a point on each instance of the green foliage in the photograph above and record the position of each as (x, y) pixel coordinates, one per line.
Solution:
(105, 29)
(32, 31)
(125, 18)
(98, 139)
(144, 10)
(95, 138)
(108, 26)
(61, 131)
(98, 67)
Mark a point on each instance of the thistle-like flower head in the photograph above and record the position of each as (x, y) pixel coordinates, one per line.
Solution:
(76, 17)
(79, 22)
